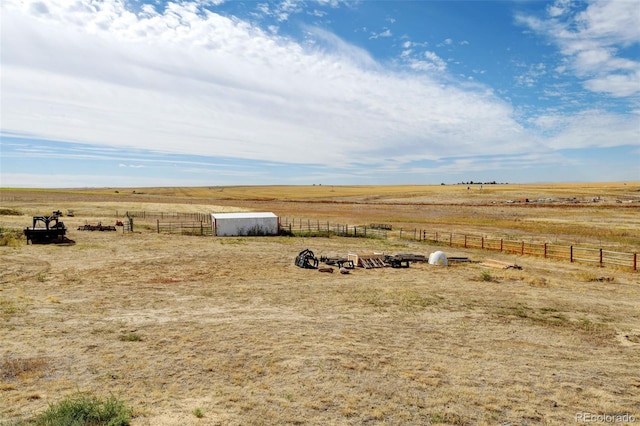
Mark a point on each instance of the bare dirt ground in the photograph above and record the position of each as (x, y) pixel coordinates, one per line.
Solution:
(230, 326)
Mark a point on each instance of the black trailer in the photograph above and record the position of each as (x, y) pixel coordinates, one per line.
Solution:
(47, 230)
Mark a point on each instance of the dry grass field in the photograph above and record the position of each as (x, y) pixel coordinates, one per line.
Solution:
(228, 331)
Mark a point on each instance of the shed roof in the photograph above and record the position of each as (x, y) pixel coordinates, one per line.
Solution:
(242, 215)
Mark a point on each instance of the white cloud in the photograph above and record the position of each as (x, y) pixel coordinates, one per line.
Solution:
(588, 129)
(429, 62)
(385, 33)
(530, 77)
(559, 8)
(318, 13)
(190, 81)
(593, 41)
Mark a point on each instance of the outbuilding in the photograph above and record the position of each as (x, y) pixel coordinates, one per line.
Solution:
(245, 223)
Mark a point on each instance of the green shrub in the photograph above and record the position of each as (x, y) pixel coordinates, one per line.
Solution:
(486, 276)
(10, 212)
(10, 237)
(85, 410)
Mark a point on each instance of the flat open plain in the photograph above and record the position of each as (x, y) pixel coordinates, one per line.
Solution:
(171, 324)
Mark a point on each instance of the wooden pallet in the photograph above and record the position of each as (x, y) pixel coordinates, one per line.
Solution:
(368, 260)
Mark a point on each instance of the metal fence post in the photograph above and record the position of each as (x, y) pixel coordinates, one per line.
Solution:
(601, 257)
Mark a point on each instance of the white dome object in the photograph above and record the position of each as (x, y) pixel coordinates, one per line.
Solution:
(438, 258)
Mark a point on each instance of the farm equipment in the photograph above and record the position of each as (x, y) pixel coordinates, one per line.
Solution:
(50, 231)
(339, 261)
(403, 260)
(98, 227)
(306, 259)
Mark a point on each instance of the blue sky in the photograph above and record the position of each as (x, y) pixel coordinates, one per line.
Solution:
(121, 93)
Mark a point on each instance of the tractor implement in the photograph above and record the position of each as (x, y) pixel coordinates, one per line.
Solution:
(47, 230)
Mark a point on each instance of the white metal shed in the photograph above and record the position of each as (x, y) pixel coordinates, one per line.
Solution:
(245, 223)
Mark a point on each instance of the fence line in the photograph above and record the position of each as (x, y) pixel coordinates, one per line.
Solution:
(184, 228)
(293, 226)
(327, 228)
(571, 253)
(175, 216)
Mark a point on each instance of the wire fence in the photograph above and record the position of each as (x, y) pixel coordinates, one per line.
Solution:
(184, 228)
(570, 253)
(185, 224)
(171, 216)
(316, 227)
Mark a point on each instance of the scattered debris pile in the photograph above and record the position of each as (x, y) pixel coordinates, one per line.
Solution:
(370, 260)
(602, 279)
(98, 227)
(340, 262)
(380, 260)
(403, 260)
(367, 260)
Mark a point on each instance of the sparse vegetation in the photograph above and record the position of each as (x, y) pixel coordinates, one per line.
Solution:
(232, 332)
(16, 368)
(11, 237)
(131, 337)
(486, 276)
(85, 410)
(10, 212)
(8, 308)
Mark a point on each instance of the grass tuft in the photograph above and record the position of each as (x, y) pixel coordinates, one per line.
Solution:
(81, 409)
(131, 337)
(486, 276)
(12, 368)
(7, 307)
